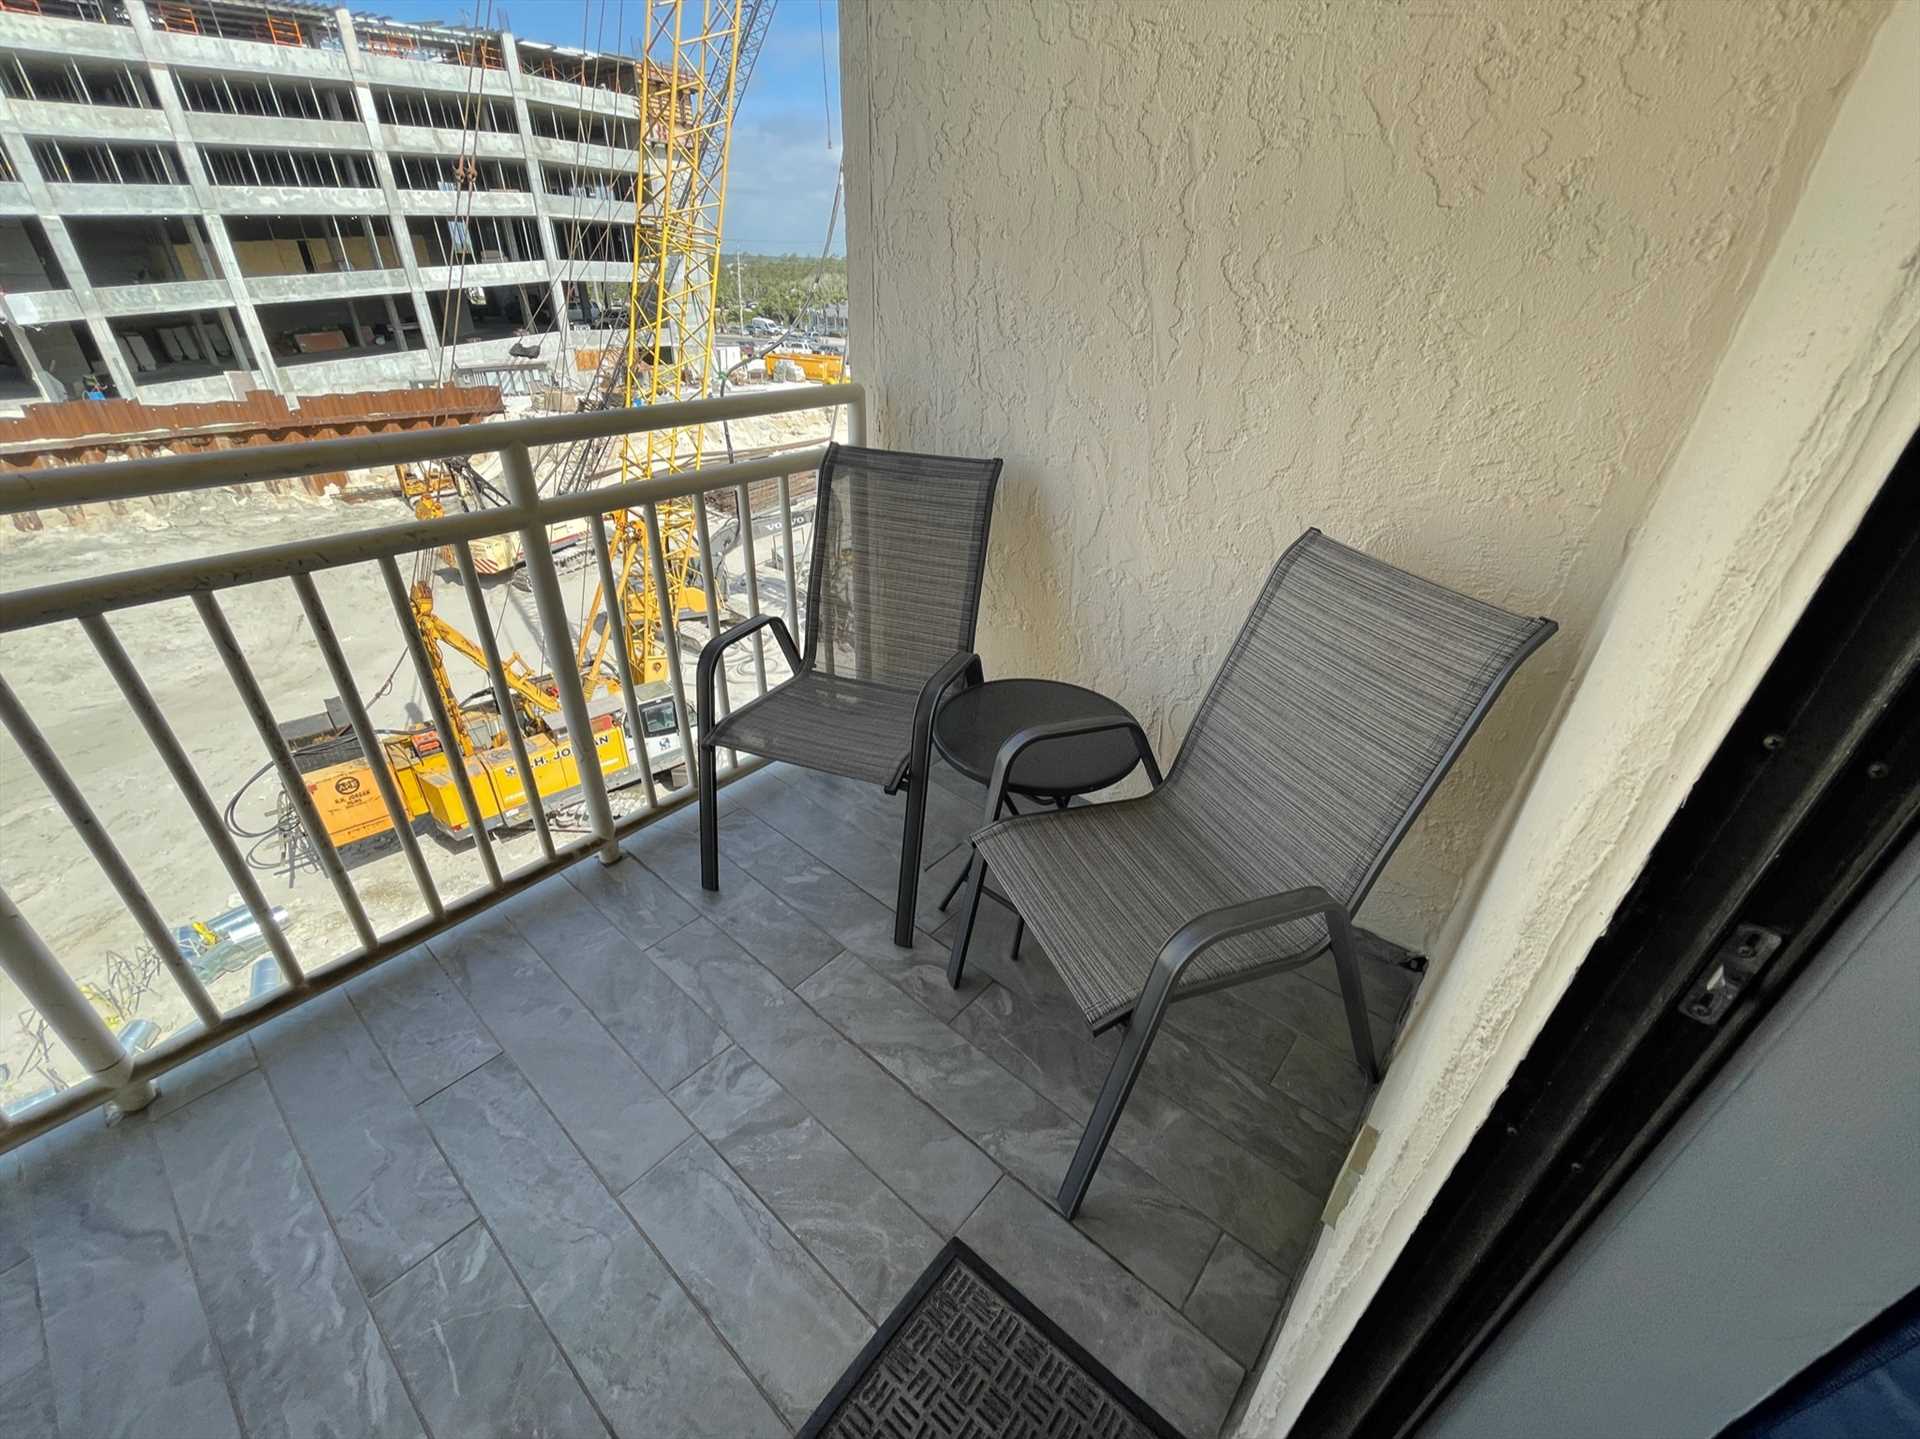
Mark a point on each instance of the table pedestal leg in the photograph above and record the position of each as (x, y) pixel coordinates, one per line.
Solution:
(959, 880)
(967, 869)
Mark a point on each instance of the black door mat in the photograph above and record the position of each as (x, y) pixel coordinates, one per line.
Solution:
(966, 1356)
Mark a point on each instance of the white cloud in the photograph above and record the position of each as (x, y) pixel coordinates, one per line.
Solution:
(780, 184)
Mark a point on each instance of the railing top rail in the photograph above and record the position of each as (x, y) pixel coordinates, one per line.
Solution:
(97, 594)
(44, 489)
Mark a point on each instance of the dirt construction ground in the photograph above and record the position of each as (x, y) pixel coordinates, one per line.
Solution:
(56, 674)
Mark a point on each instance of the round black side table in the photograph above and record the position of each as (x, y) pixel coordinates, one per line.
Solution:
(971, 726)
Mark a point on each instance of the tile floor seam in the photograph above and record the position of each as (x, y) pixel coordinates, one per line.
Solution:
(539, 1315)
(1194, 1288)
(507, 1054)
(1352, 1126)
(693, 1299)
(889, 900)
(565, 873)
(193, 1269)
(386, 1342)
(373, 1294)
(245, 1037)
(500, 1248)
(1116, 1145)
(313, 1177)
(826, 1129)
(953, 1021)
(981, 1201)
(40, 1322)
(930, 1221)
(326, 1213)
(1274, 1079)
(1066, 1118)
(1177, 1310)
(1166, 1093)
(905, 1087)
(805, 1248)
(643, 951)
(1165, 1090)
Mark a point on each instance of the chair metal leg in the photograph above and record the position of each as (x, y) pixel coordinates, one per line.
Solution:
(1019, 933)
(958, 880)
(709, 823)
(1138, 1035)
(910, 858)
(1353, 994)
(976, 882)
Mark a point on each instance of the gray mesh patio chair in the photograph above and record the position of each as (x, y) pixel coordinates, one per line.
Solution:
(1348, 694)
(899, 547)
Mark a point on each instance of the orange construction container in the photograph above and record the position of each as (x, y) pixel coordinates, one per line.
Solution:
(827, 369)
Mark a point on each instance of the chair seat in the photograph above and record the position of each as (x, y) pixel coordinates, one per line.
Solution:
(847, 727)
(1104, 887)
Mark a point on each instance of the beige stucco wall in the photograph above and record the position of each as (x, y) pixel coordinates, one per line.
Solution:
(1816, 396)
(1446, 281)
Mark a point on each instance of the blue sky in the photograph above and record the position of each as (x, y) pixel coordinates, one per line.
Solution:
(781, 172)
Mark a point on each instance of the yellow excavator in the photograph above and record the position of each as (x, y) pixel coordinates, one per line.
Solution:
(335, 769)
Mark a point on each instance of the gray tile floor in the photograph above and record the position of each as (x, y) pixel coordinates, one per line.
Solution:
(625, 1156)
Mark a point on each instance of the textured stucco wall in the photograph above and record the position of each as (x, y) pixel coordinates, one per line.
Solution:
(1811, 404)
(1447, 281)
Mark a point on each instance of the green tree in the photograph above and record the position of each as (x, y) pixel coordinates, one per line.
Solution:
(780, 287)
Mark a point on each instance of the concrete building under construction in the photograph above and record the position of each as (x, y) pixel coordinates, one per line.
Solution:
(200, 199)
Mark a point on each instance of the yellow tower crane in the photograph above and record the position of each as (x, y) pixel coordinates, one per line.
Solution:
(685, 87)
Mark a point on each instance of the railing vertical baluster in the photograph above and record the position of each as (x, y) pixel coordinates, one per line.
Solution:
(795, 618)
(857, 419)
(105, 853)
(342, 675)
(524, 493)
(670, 640)
(291, 780)
(723, 700)
(442, 720)
(58, 1000)
(744, 504)
(160, 734)
(616, 612)
(502, 696)
(92, 599)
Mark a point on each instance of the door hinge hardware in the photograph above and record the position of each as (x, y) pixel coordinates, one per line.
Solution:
(1734, 967)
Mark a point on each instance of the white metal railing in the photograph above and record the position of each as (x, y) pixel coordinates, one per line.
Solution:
(114, 1073)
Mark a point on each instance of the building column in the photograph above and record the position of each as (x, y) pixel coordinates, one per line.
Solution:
(212, 271)
(50, 389)
(537, 183)
(20, 153)
(161, 74)
(396, 217)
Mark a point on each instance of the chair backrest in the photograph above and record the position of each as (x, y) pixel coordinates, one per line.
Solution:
(899, 550)
(1346, 697)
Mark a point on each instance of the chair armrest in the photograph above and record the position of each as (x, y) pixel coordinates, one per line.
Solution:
(710, 663)
(1021, 740)
(964, 664)
(1206, 930)
(1203, 931)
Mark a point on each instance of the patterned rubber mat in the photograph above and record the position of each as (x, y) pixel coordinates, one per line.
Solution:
(966, 1356)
